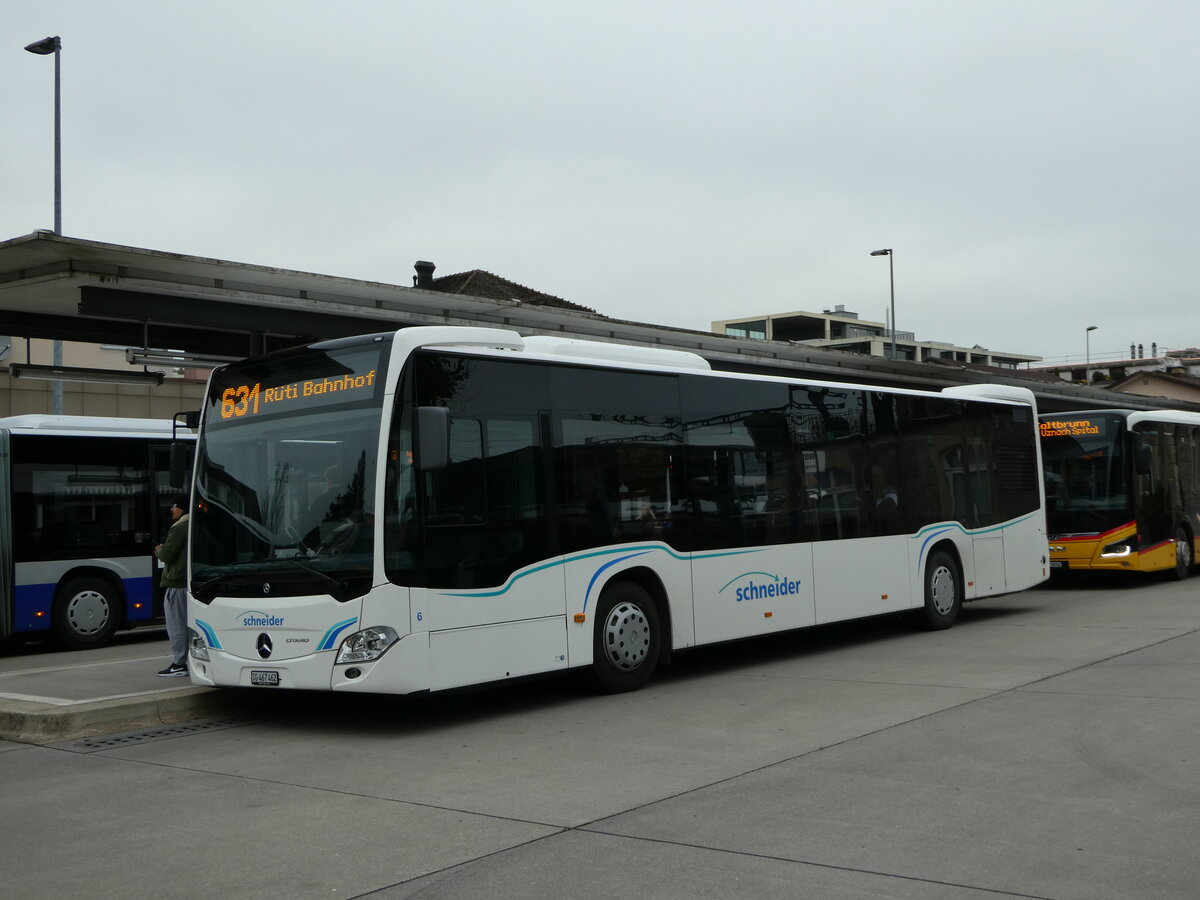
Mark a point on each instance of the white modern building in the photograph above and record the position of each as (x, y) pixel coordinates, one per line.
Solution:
(841, 329)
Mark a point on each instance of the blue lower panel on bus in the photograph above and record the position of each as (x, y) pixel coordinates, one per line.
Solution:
(139, 599)
(31, 607)
(33, 604)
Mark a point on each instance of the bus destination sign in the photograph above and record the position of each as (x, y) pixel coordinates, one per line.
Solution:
(343, 376)
(1078, 428)
(251, 399)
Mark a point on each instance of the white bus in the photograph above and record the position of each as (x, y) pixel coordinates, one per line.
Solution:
(83, 502)
(443, 507)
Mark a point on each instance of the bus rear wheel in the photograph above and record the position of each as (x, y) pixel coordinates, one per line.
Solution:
(943, 591)
(1183, 554)
(627, 640)
(86, 613)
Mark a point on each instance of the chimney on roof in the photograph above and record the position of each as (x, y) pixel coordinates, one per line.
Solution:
(1154, 349)
(424, 276)
(1132, 350)
(1141, 353)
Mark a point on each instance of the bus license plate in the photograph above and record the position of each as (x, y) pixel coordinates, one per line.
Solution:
(260, 677)
(1058, 563)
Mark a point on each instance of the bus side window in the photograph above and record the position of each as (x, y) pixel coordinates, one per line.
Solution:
(888, 508)
(616, 439)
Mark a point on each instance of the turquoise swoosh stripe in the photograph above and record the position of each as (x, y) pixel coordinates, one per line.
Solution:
(612, 551)
(938, 530)
(209, 634)
(332, 634)
(930, 532)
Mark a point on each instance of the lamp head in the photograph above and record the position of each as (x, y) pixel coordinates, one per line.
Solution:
(45, 46)
(1092, 327)
(887, 252)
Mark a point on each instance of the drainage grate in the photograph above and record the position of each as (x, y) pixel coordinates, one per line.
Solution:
(160, 733)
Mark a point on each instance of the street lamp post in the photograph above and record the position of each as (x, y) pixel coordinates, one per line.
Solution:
(892, 280)
(45, 47)
(1087, 336)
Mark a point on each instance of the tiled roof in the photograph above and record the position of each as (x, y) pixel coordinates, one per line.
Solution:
(478, 283)
(1190, 381)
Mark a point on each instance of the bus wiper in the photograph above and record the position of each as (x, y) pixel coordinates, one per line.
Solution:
(338, 589)
(300, 545)
(1071, 503)
(255, 573)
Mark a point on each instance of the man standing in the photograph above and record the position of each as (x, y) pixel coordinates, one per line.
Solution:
(172, 553)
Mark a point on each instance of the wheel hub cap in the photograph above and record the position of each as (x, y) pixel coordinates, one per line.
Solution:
(626, 636)
(88, 612)
(942, 590)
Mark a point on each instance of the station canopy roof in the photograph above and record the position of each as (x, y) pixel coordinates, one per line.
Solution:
(64, 288)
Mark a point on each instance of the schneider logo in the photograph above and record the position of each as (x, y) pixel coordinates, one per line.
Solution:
(756, 585)
(255, 619)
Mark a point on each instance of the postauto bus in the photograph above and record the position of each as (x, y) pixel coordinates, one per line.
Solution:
(1122, 490)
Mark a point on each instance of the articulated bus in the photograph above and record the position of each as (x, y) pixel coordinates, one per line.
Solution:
(443, 507)
(1122, 490)
(82, 504)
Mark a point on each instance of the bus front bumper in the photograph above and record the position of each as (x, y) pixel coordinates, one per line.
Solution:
(402, 669)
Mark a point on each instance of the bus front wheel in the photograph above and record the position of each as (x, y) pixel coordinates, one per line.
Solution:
(86, 613)
(1183, 554)
(943, 591)
(628, 638)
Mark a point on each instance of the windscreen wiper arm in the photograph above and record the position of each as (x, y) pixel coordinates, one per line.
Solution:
(207, 590)
(337, 587)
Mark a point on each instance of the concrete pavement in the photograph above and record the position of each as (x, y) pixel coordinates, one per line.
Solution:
(1044, 747)
(53, 696)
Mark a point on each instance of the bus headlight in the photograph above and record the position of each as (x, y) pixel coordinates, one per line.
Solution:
(366, 645)
(1120, 548)
(199, 649)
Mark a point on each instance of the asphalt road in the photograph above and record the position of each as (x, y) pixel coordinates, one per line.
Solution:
(1044, 747)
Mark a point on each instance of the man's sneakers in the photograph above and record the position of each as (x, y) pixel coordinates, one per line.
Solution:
(174, 670)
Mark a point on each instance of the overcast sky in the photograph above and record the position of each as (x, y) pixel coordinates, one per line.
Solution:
(1032, 164)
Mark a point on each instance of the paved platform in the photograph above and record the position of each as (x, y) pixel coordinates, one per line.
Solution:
(1044, 747)
(48, 696)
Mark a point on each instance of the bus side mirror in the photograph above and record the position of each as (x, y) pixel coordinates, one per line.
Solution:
(181, 463)
(181, 452)
(433, 438)
(1143, 458)
(1143, 455)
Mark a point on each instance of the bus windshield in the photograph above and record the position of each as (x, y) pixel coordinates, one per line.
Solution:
(286, 472)
(1083, 459)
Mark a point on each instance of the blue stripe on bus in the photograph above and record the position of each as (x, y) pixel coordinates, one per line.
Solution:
(331, 635)
(612, 562)
(609, 552)
(210, 635)
(942, 528)
(938, 530)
